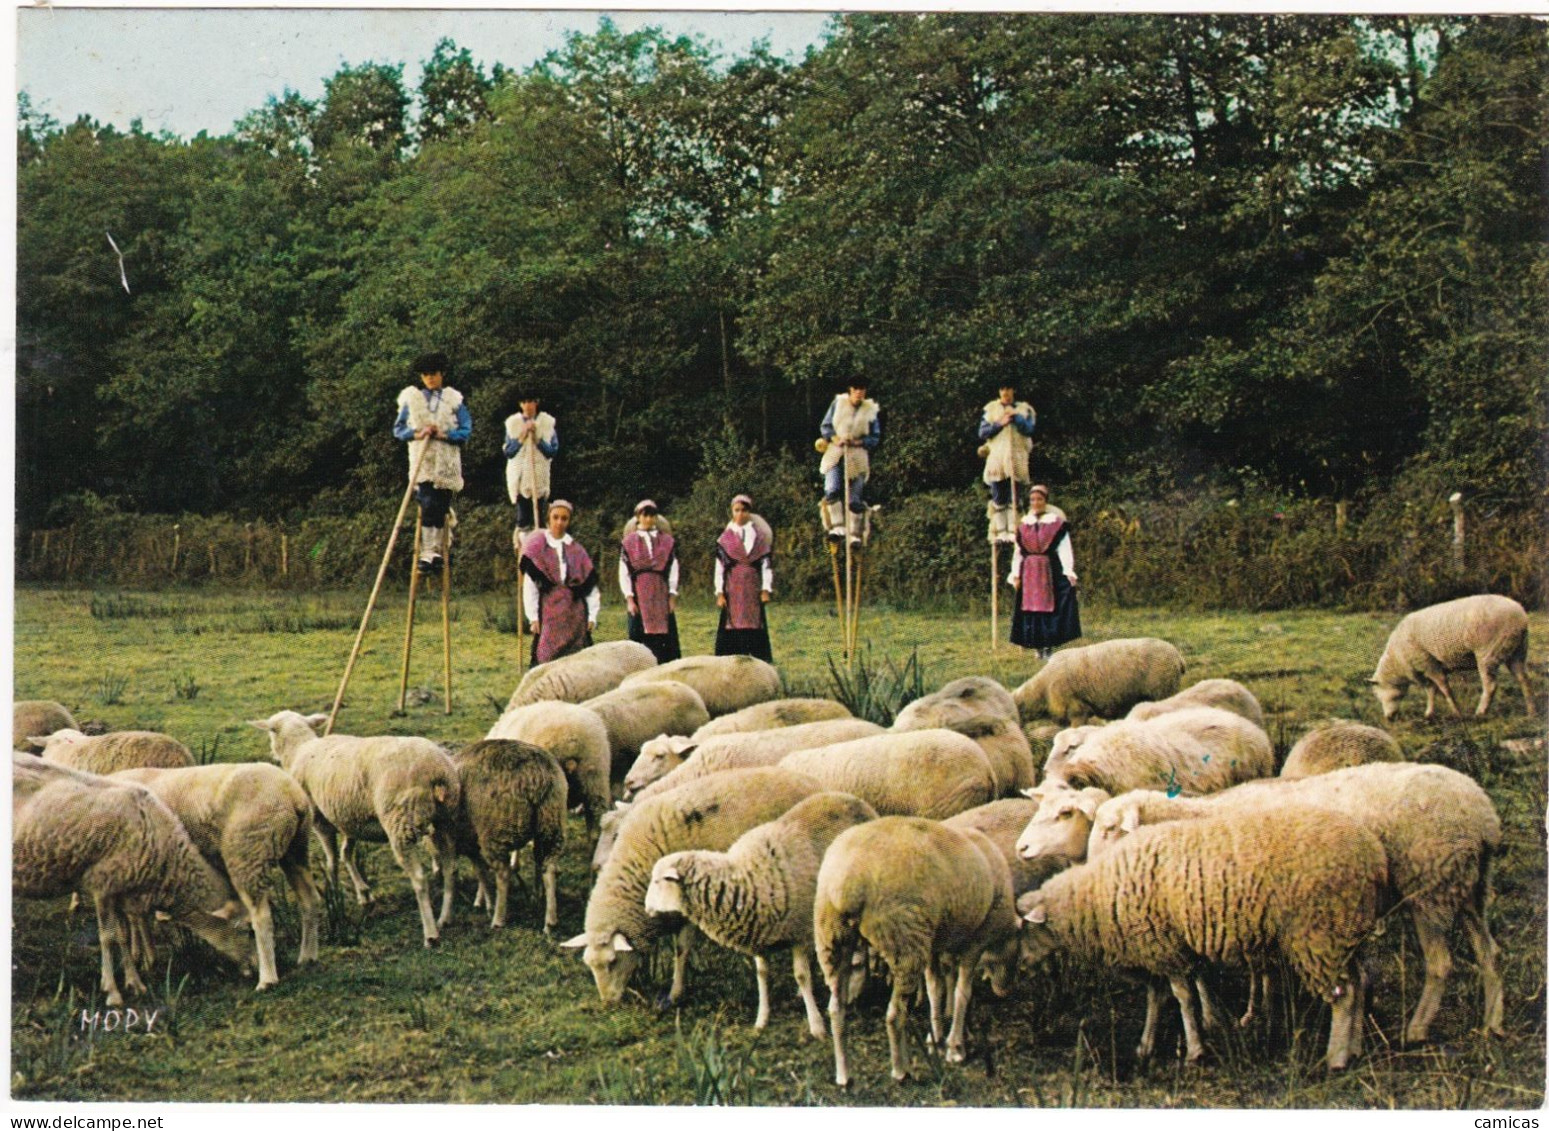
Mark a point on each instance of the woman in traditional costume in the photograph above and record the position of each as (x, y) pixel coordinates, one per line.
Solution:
(744, 582)
(1043, 571)
(648, 578)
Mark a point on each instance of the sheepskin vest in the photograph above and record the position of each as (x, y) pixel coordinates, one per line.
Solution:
(744, 573)
(1008, 448)
(851, 422)
(443, 464)
(529, 463)
(561, 604)
(1037, 541)
(647, 566)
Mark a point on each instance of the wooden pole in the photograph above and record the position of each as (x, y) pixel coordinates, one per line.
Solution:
(849, 588)
(408, 628)
(1458, 529)
(446, 615)
(855, 607)
(994, 592)
(387, 556)
(1341, 516)
(833, 557)
(177, 544)
(247, 547)
(284, 554)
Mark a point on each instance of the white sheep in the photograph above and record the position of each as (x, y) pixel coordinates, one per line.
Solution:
(771, 714)
(756, 897)
(635, 715)
(1003, 822)
(725, 683)
(1338, 744)
(577, 738)
(582, 675)
(1227, 694)
(37, 716)
(247, 818)
(119, 844)
(109, 753)
(918, 773)
(1193, 750)
(1296, 883)
(928, 900)
(1483, 631)
(511, 793)
(401, 790)
(736, 751)
(1061, 823)
(1439, 830)
(711, 813)
(1103, 679)
(984, 711)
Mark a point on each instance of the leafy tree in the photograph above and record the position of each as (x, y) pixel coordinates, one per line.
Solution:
(453, 95)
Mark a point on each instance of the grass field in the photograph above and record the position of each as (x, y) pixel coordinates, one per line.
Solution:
(506, 1017)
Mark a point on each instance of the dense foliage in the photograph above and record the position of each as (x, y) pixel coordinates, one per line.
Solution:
(1301, 251)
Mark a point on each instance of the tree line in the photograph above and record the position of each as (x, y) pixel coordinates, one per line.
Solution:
(1304, 252)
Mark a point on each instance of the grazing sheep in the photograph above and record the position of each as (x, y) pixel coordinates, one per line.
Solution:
(1003, 822)
(1339, 744)
(246, 818)
(739, 752)
(401, 790)
(756, 897)
(635, 715)
(725, 683)
(984, 711)
(582, 675)
(109, 753)
(1240, 888)
(1227, 694)
(918, 773)
(577, 738)
(512, 793)
(1104, 679)
(772, 714)
(119, 844)
(927, 899)
(1061, 823)
(37, 716)
(1438, 828)
(1194, 750)
(711, 814)
(1485, 631)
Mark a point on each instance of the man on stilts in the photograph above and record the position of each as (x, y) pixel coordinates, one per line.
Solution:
(434, 415)
(532, 442)
(852, 429)
(1005, 436)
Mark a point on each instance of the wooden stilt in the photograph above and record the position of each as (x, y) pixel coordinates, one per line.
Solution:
(849, 588)
(446, 612)
(994, 592)
(408, 628)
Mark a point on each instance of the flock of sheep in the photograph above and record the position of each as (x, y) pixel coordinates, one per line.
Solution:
(931, 852)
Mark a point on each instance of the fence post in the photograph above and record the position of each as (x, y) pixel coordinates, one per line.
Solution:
(1455, 501)
(247, 548)
(284, 554)
(212, 559)
(177, 542)
(70, 553)
(1341, 516)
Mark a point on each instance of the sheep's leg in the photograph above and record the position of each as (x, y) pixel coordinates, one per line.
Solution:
(801, 967)
(761, 972)
(683, 944)
(1210, 1014)
(935, 991)
(300, 877)
(905, 982)
(842, 954)
(347, 850)
(1486, 683)
(142, 942)
(483, 897)
(106, 932)
(854, 980)
(1358, 1023)
(1519, 673)
(1147, 1043)
(1184, 992)
(446, 857)
(122, 927)
(1438, 967)
(1339, 1028)
(549, 869)
(957, 1039)
(1439, 678)
(1485, 952)
(410, 862)
(261, 916)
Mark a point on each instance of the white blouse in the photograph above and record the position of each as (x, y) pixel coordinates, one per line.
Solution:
(746, 532)
(1063, 551)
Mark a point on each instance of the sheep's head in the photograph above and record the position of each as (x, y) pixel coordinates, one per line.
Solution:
(611, 959)
(658, 757)
(664, 896)
(998, 964)
(1062, 823)
(286, 729)
(1388, 694)
(1035, 940)
(608, 833)
(1114, 821)
(55, 744)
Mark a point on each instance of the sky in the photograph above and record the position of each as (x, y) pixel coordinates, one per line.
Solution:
(184, 70)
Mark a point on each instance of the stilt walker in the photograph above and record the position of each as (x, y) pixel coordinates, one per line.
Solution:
(532, 484)
(1005, 433)
(446, 618)
(850, 430)
(529, 435)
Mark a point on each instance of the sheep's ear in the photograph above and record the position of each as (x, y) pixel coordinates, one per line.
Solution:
(38, 739)
(261, 724)
(1033, 794)
(621, 805)
(1131, 820)
(672, 875)
(1371, 679)
(1087, 806)
(315, 721)
(1036, 914)
(577, 943)
(620, 943)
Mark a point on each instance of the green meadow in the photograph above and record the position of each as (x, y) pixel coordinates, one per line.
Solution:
(507, 1017)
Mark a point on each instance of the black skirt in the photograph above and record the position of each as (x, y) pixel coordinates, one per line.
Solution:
(1047, 630)
(744, 641)
(663, 645)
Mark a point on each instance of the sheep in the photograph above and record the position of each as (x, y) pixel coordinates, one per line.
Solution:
(634, 715)
(1339, 744)
(725, 683)
(1294, 882)
(1227, 694)
(771, 715)
(578, 740)
(737, 751)
(984, 711)
(582, 675)
(1061, 823)
(109, 753)
(118, 843)
(511, 793)
(402, 790)
(1485, 630)
(37, 716)
(919, 773)
(245, 818)
(1003, 822)
(1194, 750)
(1440, 833)
(712, 814)
(926, 898)
(756, 897)
(1104, 679)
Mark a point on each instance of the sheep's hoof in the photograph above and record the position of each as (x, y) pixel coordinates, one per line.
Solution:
(433, 940)
(115, 1000)
(842, 1082)
(665, 1001)
(262, 986)
(955, 1055)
